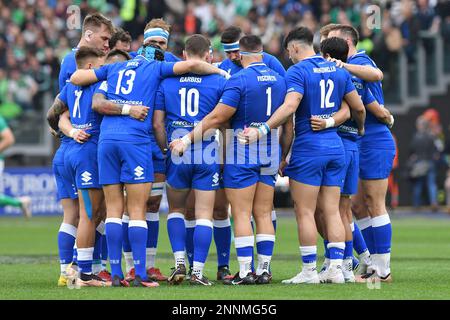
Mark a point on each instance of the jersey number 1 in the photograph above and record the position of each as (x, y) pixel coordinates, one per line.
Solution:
(192, 101)
(325, 98)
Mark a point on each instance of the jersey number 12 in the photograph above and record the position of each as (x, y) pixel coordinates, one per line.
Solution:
(325, 98)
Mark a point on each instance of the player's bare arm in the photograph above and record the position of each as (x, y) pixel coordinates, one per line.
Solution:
(197, 67)
(336, 120)
(66, 127)
(103, 106)
(6, 139)
(366, 73)
(218, 116)
(357, 109)
(286, 139)
(381, 113)
(83, 77)
(159, 129)
(58, 107)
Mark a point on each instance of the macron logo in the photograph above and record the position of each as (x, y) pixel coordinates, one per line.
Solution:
(138, 172)
(86, 177)
(215, 178)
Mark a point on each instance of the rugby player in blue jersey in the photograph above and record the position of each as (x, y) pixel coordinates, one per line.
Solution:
(338, 49)
(182, 102)
(96, 32)
(316, 88)
(124, 146)
(80, 161)
(377, 152)
(156, 33)
(249, 99)
(232, 64)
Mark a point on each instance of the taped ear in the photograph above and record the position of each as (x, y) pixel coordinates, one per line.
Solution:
(87, 35)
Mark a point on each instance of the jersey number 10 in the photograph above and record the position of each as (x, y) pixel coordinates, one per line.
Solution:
(192, 101)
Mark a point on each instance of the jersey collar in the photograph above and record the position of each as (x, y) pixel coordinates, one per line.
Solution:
(256, 64)
(357, 53)
(313, 57)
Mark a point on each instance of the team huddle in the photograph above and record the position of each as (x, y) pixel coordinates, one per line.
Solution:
(215, 137)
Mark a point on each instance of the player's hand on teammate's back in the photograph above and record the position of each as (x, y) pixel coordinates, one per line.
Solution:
(318, 124)
(139, 112)
(81, 136)
(338, 62)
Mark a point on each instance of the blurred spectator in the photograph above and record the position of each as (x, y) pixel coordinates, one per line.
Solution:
(22, 89)
(422, 166)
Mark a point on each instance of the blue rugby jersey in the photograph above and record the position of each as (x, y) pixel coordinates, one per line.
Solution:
(256, 92)
(323, 87)
(186, 100)
(132, 82)
(377, 134)
(271, 62)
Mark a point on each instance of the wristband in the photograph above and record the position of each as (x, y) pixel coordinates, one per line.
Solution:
(72, 132)
(126, 109)
(264, 129)
(186, 140)
(329, 123)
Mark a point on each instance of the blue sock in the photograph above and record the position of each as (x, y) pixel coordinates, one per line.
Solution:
(153, 229)
(382, 233)
(327, 252)
(244, 252)
(365, 225)
(85, 260)
(274, 220)
(359, 244)
(222, 238)
(202, 240)
(190, 228)
(336, 251)
(264, 248)
(114, 236)
(126, 241)
(66, 239)
(348, 251)
(177, 231)
(137, 232)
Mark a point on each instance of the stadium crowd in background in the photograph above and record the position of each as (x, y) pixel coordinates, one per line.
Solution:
(35, 35)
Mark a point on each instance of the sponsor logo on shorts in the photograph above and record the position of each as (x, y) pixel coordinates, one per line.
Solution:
(86, 177)
(215, 179)
(138, 173)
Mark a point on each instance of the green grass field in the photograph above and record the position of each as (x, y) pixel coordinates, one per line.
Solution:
(420, 266)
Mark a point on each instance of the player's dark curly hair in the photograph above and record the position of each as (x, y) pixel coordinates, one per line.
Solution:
(335, 47)
(118, 52)
(231, 34)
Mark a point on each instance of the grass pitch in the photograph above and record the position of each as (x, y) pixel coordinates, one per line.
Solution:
(29, 266)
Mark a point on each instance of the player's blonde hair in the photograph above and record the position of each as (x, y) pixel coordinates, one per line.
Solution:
(325, 30)
(158, 23)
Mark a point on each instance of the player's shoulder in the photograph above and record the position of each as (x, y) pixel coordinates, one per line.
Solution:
(69, 58)
(170, 57)
(362, 58)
